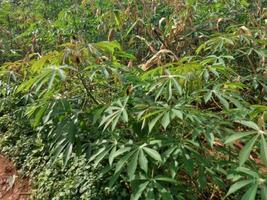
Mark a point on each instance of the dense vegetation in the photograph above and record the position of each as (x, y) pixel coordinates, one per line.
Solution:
(135, 99)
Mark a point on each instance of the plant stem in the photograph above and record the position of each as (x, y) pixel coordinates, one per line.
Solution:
(87, 89)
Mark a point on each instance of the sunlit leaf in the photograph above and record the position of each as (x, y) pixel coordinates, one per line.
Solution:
(153, 153)
(237, 186)
(245, 152)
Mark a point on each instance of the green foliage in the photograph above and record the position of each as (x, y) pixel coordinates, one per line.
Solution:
(78, 180)
(167, 102)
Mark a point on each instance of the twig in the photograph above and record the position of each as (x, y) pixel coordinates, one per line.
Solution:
(87, 89)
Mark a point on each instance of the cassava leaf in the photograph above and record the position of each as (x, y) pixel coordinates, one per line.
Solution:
(143, 163)
(263, 151)
(238, 185)
(152, 153)
(245, 152)
(249, 124)
(139, 190)
(251, 193)
(132, 164)
(235, 137)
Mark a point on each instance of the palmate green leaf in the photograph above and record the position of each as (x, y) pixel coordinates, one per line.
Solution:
(39, 115)
(150, 195)
(248, 172)
(202, 178)
(48, 76)
(117, 153)
(245, 152)
(67, 153)
(123, 161)
(26, 85)
(115, 112)
(114, 122)
(236, 136)
(164, 115)
(177, 113)
(160, 91)
(234, 101)
(114, 178)
(132, 165)
(97, 153)
(39, 64)
(71, 131)
(51, 81)
(139, 190)
(54, 72)
(107, 120)
(124, 116)
(169, 152)
(48, 115)
(101, 156)
(165, 194)
(167, 83)
(38, 85)
(208, 96)
(153, 122)
(251, 193)
(165, 121)
(177, 86)
(111, 155)
(263, 151)
(59, 149)
(249, 124)
(152, 153)
(143, 163)
(238, 185)
(222, 100)
(65, 133)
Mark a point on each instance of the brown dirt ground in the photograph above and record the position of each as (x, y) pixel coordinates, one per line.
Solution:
(12, 187)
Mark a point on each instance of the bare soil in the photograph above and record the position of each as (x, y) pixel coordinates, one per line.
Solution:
(12, 186)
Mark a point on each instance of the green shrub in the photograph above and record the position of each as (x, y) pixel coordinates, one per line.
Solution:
(84, 119)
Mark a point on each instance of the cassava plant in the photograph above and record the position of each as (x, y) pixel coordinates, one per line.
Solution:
(167, 101)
